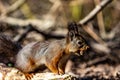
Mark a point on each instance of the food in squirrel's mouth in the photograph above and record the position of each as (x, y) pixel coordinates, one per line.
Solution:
(81, 51)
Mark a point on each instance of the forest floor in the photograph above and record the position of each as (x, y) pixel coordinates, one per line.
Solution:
(98, 72)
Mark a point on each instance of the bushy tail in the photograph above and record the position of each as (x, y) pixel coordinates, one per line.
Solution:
(8, 49)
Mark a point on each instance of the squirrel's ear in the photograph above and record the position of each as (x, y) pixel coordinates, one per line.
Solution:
(72, 30)
(73, 27)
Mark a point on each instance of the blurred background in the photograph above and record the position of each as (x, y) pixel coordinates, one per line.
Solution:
(26, 21)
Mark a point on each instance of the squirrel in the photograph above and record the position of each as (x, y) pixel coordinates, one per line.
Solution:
(52, 54)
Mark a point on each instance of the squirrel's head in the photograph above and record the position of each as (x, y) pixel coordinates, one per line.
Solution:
(75, 42)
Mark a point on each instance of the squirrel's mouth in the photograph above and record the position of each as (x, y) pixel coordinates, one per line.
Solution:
(82, 50)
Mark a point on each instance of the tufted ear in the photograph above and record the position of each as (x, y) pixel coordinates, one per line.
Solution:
(73, 27)
(72, 31)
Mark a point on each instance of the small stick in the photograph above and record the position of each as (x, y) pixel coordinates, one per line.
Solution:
(100, 22)
(95, 11)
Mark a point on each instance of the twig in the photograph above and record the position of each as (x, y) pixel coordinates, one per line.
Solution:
(100, 21)
(54, 8)
(41, 24)
(19, 38)
(92, 33)
(14, 7)
(98, 60)
(2, 7)
(30, 28)
(93, 13)
(100, 48)
(95, 61)
(48, 35)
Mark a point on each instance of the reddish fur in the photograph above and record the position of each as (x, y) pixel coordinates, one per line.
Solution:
(53, 65)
